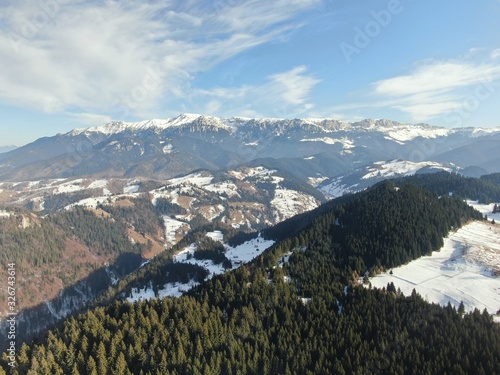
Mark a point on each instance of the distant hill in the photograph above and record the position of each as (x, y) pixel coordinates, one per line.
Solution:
(7, 148)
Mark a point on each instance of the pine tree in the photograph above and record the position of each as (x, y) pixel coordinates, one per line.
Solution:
(120, 365)
(461, 308)
(91, 368)
(102, 361)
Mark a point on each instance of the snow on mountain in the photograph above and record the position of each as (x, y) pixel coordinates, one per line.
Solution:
(400, 168)
(409, 133)
(4, 214)
(463, 270)
(237, 255)
(380, 170)
(288, 203)
(394, 130)
(315, 181)
(70, 186)
(477, 132)
(336, 188)
(197, 179)
(168, 149)
(225, 187)
(174, 229)
(486, 210)
(115, 127)
(346, 142)
(131, 187)
(403, 132)
(165, 148)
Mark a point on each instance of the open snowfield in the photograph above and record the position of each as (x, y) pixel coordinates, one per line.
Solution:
(172, 227)
(485, 209)
(463, 270)
(197, 179)
(388, 169)
(346, 142)
(237, 255)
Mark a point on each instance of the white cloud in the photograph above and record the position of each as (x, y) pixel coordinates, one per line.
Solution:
(436, 77)
(284, 94)
(127, 57)
(294, 84)
(433, 88)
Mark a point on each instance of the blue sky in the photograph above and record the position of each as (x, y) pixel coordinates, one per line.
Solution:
(72, 64)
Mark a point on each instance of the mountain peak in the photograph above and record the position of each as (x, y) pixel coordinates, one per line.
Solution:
(114, 127)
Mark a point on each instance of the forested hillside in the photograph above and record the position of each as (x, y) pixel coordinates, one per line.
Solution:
(297, 309)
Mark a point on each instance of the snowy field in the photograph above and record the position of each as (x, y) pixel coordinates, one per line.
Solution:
(172, 227)
(389, 169)
(287, 203)
(237, 255)
(463, 270)
(485, 209)
(197, 179)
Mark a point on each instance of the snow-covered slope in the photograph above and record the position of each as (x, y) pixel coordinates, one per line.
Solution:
(399, 132)
(375, 172)
(116, 127)
(237, 255)
(466, 269)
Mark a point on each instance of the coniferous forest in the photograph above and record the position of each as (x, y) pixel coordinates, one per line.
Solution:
(297, 309)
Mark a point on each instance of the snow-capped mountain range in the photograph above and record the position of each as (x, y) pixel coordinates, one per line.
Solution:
(308, 148)
(394, 130)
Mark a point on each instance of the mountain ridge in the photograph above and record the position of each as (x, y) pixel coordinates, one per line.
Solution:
(165, 148)
(233, 123)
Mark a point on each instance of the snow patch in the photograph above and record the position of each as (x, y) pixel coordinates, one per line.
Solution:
(216, 236)
(197, 179)
(98, 184)
(486, 209)
(4, 214)
(226, 187)
(287, 203)
(400, 168)
(131, 189)
(69, 187)
(315, 181)
(172, 226)
(168, 149)
(346, 142)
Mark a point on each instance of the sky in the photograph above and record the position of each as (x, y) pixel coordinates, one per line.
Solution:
(68, 64)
